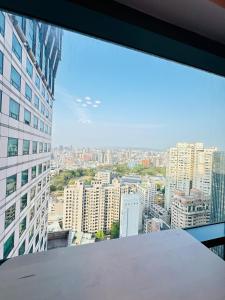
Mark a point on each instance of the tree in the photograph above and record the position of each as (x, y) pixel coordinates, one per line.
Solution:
(100, 235)
(115, 230)
(52, 188)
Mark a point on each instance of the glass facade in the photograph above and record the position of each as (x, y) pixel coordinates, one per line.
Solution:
(2, 24)
(26, 147)
(10, 214)
(28, 92)
(29, 68)
(8, 245)
(1, 62)
(24, 177)
(27, 117)
(23, 202)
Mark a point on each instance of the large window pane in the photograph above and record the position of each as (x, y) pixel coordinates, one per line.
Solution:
(34, 147)
(1, 62)
(8, 245)
(12, 146)
(24, 177)
(15, 79)
(37, 81)
(28, 92)
(16, 48)
(22, 248)
(26, 147)
(22, 227)
(10, 214)
(35, 122)
(27, 117)
(36, 101)
(41, 126)
(29, 68)
(14, 109)
(11, 184)
(40, 147)
(23, 202)
(33, 172)
(2, 24)
(0, 100)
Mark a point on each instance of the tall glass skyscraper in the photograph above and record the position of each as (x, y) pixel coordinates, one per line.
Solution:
(29, 55)
(218, 187)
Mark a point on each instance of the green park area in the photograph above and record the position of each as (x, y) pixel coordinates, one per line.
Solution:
(64, 177)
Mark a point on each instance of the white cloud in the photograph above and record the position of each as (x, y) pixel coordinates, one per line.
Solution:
(98, 102)
(79, 100)
(84, 105)
(87, 98)
(89, 102)
(95, 105)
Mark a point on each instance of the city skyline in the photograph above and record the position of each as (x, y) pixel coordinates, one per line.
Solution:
(98, 99)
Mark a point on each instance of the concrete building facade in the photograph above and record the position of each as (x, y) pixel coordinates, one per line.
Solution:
(29, 55)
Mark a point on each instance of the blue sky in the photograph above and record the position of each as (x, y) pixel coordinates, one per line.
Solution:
(107, 96)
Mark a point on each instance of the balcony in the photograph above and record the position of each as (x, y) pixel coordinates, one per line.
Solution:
(165, 265)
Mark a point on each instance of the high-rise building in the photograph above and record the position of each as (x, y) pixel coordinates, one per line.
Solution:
(104, 176)
(147, 192)
(189, 166)
(130, 214)
(29, 55)
(218, 188)
(90, 208)
(192, 210)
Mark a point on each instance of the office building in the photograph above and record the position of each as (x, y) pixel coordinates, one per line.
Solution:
(218, 188)
(90, 208)
(189, 166)
(188, 211)
(29, 55)
(147, 192)
(130, 214)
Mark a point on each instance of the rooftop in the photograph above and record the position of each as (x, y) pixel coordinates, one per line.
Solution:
(142, 267)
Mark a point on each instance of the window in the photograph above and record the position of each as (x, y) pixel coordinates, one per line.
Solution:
(16, 48)
(2, 24)
(23, 202)
(32, 213)
(40, 147)
(47, 98)
(29, 68)
(26, 147)
(46, 128)
(43, 91)
(22, 248)
(33, 172)
(31, 249)
(27, 117)
(0, 100)
(45, 147)
(39, 187)
(11, 184)
(10, 214)
(36, 101)
(15, 79)
(30, 33)
(12, 147)
(8, 245)
(47, 114)
(37, 239)
(32, 193)
(34, 147)
(39, 169)
(41, 126)
(1, 62)
(35, 122)
(22, 227)
(37, 81)
(14, 109)
(42, 109)
(28, 92)
(24, 177)
(31, 233)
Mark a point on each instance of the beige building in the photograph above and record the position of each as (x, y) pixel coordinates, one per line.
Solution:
(90, 208)
(192, 210)
(188, 166)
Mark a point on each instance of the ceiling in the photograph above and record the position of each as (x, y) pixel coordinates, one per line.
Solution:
(205, 17)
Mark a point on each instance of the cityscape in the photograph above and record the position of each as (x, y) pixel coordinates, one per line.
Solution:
(81, 184)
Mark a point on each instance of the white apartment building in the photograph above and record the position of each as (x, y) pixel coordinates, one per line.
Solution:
(29, 55)
(147, 192)
(188, 166)
(192, 210)
(104, 176)
(130, 214)
(90, 208)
